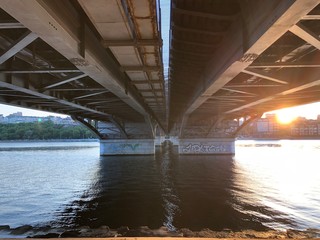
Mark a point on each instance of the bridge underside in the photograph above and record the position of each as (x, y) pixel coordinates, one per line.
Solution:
(100, 61)
(97, 61)
(231, 61)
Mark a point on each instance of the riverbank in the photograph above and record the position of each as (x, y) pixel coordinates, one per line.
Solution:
(36, 145)
(144, 231)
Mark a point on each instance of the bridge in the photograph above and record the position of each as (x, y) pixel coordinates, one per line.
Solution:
(101, 62)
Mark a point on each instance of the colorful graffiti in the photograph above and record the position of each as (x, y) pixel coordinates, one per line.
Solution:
(133, 147)
(201, 148)
(124, 148)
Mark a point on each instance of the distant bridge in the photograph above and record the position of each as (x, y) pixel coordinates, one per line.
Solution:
(100, 61)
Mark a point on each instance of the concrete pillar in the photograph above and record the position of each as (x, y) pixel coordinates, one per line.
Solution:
(159, 140)
(127, 147)
(207, 146)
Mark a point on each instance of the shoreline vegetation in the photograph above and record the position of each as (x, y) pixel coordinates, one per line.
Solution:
(49, 131)
(43, 131)
(144, 231)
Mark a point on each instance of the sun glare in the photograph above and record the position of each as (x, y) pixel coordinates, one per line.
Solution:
(286, 116)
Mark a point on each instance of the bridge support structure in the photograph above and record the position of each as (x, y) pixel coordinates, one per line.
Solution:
(119, 137)
(127, 147)
(207, 146)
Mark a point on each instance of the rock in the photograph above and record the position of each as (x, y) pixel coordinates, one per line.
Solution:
(84, 227)
(133, 233)
(161, 232)
(104, 227)
(224, 234)
(48, 235)
(313, 232)
(46, 228)
(302, 234)
(21, 230)
(4, 227)
(70, 234)
(101, 232)
(123, 230)
(187, 232)
(207, 233)
(145, 231)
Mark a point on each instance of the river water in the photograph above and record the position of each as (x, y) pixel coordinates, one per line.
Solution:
(267, 184)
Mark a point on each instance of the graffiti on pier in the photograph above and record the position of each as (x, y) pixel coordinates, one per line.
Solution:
(124, 147)
(201, 148)
(133, 147)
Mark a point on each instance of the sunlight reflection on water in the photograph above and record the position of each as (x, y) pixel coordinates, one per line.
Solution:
(285, 179)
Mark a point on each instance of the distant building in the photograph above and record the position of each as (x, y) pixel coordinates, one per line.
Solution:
(304, 128)
(269, 127)
(19, 118)
(17, 114)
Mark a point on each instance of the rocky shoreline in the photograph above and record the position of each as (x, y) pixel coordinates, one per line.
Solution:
(144, 231)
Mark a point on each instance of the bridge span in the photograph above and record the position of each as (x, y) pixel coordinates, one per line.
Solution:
(100, 61)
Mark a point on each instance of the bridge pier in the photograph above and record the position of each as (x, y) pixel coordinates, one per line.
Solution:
(127, 146)
(207, 146)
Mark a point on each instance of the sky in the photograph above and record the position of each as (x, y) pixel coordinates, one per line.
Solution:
(7, 109)
(309, 111)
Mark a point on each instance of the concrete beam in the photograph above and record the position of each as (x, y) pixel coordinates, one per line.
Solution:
(87, 125)
(305, 34)
(237, 91)
(18, 45)
(140, 68)
(91, 94)
(40, 18)
(39, 71)
(280, 94)
(66, 80)
(284, 65)
(150, 124)
(120, 126)
(263, 75)
(204, 15)
(197, 31)
(10, 25)
(34, 93)
(125, 43)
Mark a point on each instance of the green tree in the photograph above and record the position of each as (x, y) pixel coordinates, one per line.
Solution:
(42, 130)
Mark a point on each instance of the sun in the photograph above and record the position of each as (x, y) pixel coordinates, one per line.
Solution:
(286, 116)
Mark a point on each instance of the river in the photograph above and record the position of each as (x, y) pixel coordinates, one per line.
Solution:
(267, 184)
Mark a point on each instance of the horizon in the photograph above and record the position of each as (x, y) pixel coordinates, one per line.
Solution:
(309, 111)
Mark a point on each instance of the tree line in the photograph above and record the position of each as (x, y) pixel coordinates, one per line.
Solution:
(43, 131)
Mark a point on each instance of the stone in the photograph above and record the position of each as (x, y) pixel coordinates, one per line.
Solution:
(291, 233)
(145, 231)
(187, 232)
(84, 227)
(122, 230)
(69, 234)
(48, 235)
(104, 227)
(4, 227)
(161, 232)
(206, 233)
(21, 230)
